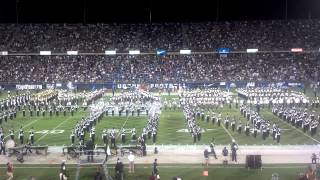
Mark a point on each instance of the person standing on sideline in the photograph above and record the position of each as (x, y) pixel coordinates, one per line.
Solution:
(9, 171)
(155, 168)
(206, 157)
(131, 162)
(2, 147)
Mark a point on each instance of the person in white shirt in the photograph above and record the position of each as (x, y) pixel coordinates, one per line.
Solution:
(131, 162)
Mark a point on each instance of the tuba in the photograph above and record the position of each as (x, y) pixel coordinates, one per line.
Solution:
(10, 144)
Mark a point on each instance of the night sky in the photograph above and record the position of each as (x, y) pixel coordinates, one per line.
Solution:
(107, 11)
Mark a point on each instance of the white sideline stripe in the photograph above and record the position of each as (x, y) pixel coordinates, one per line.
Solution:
(52, 129)
(178, 166)
(25, 126)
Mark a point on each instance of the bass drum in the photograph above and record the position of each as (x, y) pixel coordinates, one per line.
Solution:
(10, 144)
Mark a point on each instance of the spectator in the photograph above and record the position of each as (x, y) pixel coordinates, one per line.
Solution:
(206, 157)
(9, 171)
(155, 168)
(131, 162)
(225, 155)
(119, 170)
(63, 170)
(98, 175)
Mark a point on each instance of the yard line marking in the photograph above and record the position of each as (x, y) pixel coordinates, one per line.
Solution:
(232, 138)
(24, 126)
(52, 129)
(122, 126)
(306, 135)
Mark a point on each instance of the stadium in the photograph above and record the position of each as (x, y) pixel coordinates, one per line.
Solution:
(148, 90)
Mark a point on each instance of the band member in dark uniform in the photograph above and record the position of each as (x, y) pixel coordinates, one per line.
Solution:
(123, 137)
(72, 137)
(234, 148)
(11, 134)
(31, 136)
(105, 137)
(21, 135)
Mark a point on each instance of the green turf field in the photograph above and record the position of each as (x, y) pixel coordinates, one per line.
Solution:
(167, 172)
(55, 130)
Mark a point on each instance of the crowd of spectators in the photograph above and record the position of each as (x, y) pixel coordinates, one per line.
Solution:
(152, 68)
(265, 35)
(238, 36)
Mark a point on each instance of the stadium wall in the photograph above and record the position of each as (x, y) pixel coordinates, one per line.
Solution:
(150, 86)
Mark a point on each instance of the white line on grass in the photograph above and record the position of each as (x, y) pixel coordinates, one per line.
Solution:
(123, 126)
(226, 130)
(25, 126)
(178, 166)
(299, 130)
(306, 135)
(52, 129)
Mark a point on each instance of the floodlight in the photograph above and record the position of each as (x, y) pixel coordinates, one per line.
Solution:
(72, 52)
(110, 52)
(185, 51)
(252, 50)
(133, 52)
(45, 53)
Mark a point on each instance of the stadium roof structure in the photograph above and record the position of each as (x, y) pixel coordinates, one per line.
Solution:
(96, 11)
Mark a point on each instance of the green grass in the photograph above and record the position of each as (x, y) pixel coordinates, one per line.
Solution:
(40, 123)
(171, 121)
(167, 172)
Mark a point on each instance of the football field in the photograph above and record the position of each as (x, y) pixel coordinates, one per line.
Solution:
(188, 172)
(55, 130)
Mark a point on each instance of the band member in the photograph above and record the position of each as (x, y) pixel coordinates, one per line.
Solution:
(31, 136)
(21, 136)
(133, 134)
(2, 147)
(11, 134)
(72, 137)
(212, 150)
(233, 125)
(31, 113)
(239, 128)
(123, 137)
(255, 132)
(278, 134)
(154, 135)
(218, 121)
(105, 137)
(113, 138)
(247, 129)
(93, 134)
